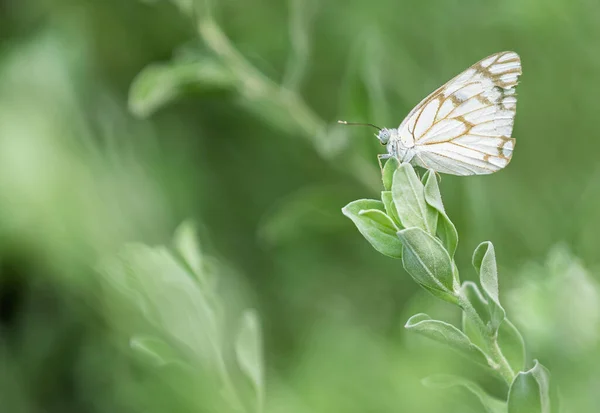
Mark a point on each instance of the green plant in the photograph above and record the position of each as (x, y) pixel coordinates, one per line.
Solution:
(174, 291)
(215, 64)
(411, 224)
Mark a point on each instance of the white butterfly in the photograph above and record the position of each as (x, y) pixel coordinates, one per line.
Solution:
(465, 126)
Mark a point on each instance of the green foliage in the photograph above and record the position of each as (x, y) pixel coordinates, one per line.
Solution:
(248, 350)
(512, 344)
(426, 260)
(409, 197)
(185, 311)
(484, 261)
(446, 231)
(445, 381)
(447, 334)
(488, 337)
(160, 84)
(250, 122)
(375, 226)
(530, 391)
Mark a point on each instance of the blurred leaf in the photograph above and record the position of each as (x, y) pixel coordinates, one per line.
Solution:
(186, 244)
(159, 84)
(484, 261)
(472, 293)
(249, 352)
(168, 297)
(446, 230)
(375, 226)
(512, 345)
(444, 381)
(409, 197)
(388, 173)
(153, 349)
(427, 261)
(447, 334)
(530, 391)
(390, 208)
(537, 306)
(301, 14)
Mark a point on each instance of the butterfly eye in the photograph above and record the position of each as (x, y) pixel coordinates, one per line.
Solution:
(383, 136)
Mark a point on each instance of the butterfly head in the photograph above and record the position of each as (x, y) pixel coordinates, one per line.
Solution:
(384, 136)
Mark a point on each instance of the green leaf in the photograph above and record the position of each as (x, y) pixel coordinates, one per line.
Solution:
(447, 334)
(154, 281)
(188, 248)
(409, 197)
(426, 260)
(445, 381)
(512, 345)
(159, 84)
(390, 208)
(446, 230)
(375, 226)
(471, 292)
(153, 349)
(249, 352)
(530, 391)
(484, 261)
(388, 173)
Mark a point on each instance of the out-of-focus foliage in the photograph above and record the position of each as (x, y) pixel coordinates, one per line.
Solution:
(265, 173)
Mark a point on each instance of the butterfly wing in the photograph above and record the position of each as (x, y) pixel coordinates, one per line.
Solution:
(465, 126)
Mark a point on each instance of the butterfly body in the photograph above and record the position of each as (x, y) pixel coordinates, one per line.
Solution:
(398, 146)
(465, 126)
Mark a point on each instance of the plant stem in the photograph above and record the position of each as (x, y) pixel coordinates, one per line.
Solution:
(260, 92)
(500, 364)
(503, 367)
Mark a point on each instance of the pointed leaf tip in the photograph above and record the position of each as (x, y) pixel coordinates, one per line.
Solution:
(248, 349)
(484, 261)
(408, 193)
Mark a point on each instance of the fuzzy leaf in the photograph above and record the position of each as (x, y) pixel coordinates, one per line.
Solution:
(445, 381)
(512, 345)
(530, 391)
(390, 208)
(446, 230)
(388, 173)
(426, 260)
(447, 334)
(375, 226)
(484, 261)
(409, 197)
(471, 292)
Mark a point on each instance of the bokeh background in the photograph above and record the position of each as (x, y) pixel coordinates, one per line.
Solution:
(95, 155)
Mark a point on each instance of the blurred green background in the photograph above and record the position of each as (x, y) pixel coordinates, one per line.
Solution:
(207, 134)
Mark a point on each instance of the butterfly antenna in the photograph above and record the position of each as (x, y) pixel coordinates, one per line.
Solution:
(343, 122)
